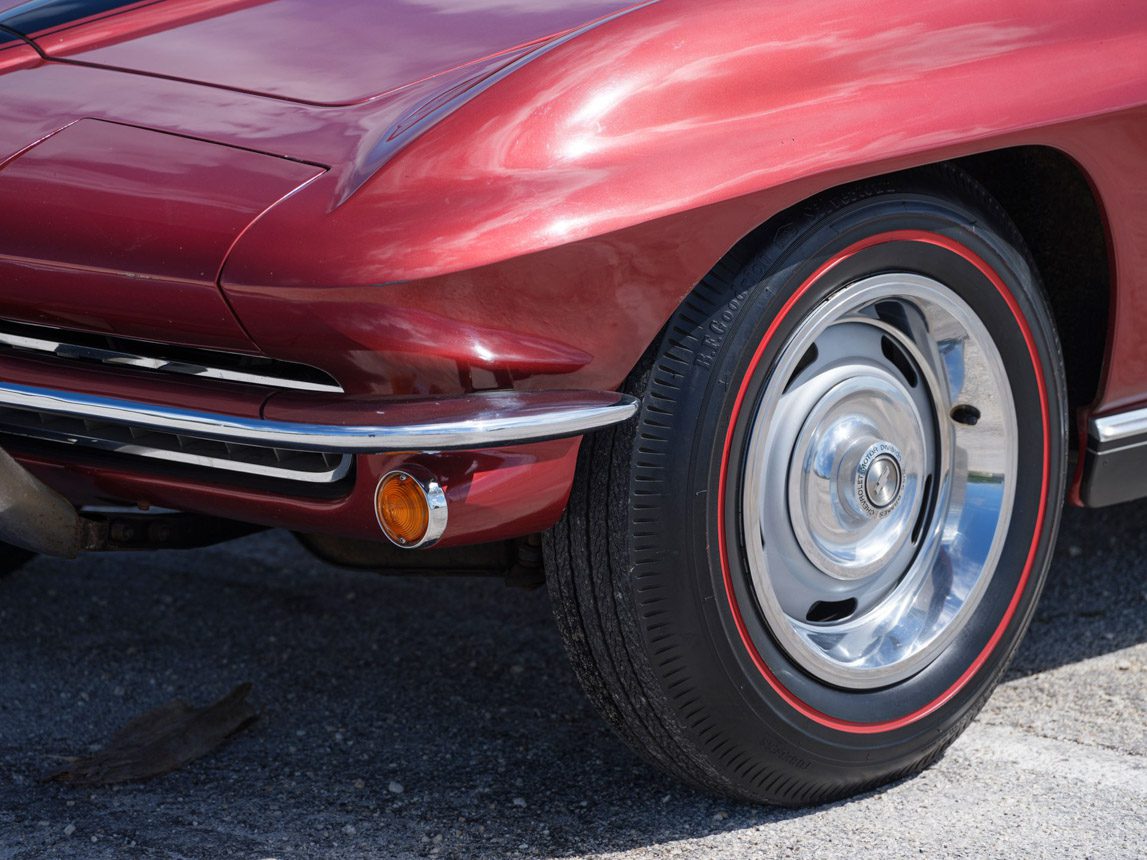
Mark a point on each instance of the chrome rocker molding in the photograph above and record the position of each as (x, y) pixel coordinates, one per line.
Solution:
(1121, 429)
(1115, 463)
(471, 421)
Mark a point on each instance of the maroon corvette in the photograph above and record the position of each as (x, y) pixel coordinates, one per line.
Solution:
(774, 335)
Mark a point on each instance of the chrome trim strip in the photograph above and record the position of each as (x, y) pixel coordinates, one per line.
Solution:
(45, 434)
(1111, 430)
(508, 420)
(117, 358)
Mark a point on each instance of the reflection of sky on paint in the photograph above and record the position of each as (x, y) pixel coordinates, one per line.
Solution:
(344, 51)
(5, 5)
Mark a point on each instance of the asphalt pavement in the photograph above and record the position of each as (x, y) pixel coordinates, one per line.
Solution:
(437, 717)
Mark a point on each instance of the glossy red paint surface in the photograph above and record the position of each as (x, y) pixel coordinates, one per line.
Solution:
(568, 165)
(492, 494)
(530, 219)
(287, 48)
(85, 26)
(82, 225)
(16, 54)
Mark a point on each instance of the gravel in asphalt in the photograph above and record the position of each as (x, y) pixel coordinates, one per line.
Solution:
(438, 718)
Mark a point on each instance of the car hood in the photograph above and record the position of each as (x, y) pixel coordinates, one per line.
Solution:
(332, 52)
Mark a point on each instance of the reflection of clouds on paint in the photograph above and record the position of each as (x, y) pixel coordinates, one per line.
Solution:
(674, 107)
(587, 122)
(812, 70)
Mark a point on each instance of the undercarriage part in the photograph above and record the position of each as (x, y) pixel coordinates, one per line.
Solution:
(528, 570)
(37, 518)
(138, 530)
(32, 515)
(518, 561)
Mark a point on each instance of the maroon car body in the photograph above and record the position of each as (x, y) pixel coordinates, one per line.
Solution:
(257, 256)
(428, 199)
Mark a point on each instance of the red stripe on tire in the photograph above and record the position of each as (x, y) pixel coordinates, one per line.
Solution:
(786, 694)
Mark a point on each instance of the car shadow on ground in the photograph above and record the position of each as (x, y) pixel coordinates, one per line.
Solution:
(1095, 599)
(399, 717)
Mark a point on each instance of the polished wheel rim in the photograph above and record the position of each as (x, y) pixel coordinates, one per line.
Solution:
(879, 481)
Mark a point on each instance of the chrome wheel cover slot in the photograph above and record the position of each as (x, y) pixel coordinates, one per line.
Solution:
(873, 515)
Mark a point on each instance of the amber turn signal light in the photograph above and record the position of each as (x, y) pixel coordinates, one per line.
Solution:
(411, 511)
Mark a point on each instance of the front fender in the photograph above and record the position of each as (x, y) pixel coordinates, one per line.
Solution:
(579, 199)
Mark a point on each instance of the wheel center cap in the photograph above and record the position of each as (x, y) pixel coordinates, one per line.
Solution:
(882, 482)
(879, 479)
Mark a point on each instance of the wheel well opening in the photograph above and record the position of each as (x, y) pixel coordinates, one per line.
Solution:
(1051, 201)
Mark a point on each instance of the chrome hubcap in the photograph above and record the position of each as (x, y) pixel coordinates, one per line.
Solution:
(874, 513)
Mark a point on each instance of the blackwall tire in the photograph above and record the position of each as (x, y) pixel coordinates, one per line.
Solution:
(800, 571)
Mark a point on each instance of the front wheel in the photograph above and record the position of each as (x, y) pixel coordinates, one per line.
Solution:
(801, 571)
